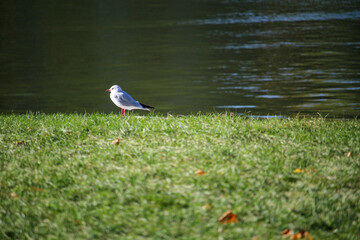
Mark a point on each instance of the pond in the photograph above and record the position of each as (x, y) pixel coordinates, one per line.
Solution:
(266, 58)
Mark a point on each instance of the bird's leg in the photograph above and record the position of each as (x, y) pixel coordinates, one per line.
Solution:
(124, 112)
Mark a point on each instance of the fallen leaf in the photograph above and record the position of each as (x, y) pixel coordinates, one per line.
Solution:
(255, 238)
(77, 221)
(303, 170)
(301, 235)
(21, 142)
(36, 189)
(206, 206)
(307, 235)
(116, 141)
(287, 232)
(348, 154)
(200, 172)
(228, 217)
(297, 236)
(13, 195)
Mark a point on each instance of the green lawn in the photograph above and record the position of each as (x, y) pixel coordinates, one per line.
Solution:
(61, 177)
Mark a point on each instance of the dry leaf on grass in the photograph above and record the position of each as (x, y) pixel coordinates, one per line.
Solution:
(200, 172)
(206, 206)
(348, 154)
(116, 141)
(14, 195)
(304, 170)
(287, 232)
(300, 235)
(37, 189)
(309, 237)
(21, 142)
(228, 217)
(77, 221)
(296, 236)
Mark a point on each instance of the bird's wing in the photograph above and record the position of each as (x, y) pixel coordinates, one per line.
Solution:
(126, 100)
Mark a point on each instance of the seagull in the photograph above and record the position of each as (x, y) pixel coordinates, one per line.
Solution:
(124, 101)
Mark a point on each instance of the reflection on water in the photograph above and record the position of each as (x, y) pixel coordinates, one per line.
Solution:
(238, 106)
(251, 17)
(273, 58)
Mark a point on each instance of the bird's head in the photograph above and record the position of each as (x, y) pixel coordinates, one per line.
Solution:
(114, 88)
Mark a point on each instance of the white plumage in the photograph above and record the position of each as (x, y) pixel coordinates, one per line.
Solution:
(124, 101)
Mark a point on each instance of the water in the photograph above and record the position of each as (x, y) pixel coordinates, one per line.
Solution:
(261, 57)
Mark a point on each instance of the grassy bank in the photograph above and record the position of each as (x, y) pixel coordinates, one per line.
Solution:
(63, 177)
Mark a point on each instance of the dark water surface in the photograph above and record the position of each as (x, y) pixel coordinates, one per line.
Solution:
(267, 57)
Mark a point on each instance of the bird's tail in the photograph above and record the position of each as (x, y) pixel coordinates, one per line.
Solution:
(145, 106)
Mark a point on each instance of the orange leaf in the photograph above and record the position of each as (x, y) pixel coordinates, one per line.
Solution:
(348, 154)
(309, 237)
(296, 236)
(287, 232)
(302, 234)
(116, 141)
(255, 238)
(200, 172)
(228, 217)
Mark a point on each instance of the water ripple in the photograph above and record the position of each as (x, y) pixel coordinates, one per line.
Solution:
(249, 17)
(237, 106)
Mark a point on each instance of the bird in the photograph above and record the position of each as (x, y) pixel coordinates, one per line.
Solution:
(124, 101)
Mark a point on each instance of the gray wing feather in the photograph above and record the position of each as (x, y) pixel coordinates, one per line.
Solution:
(127, 100)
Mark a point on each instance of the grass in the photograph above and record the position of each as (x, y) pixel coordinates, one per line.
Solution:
(62, 178)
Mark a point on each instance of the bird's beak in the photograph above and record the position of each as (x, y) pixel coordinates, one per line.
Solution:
(107, 90)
